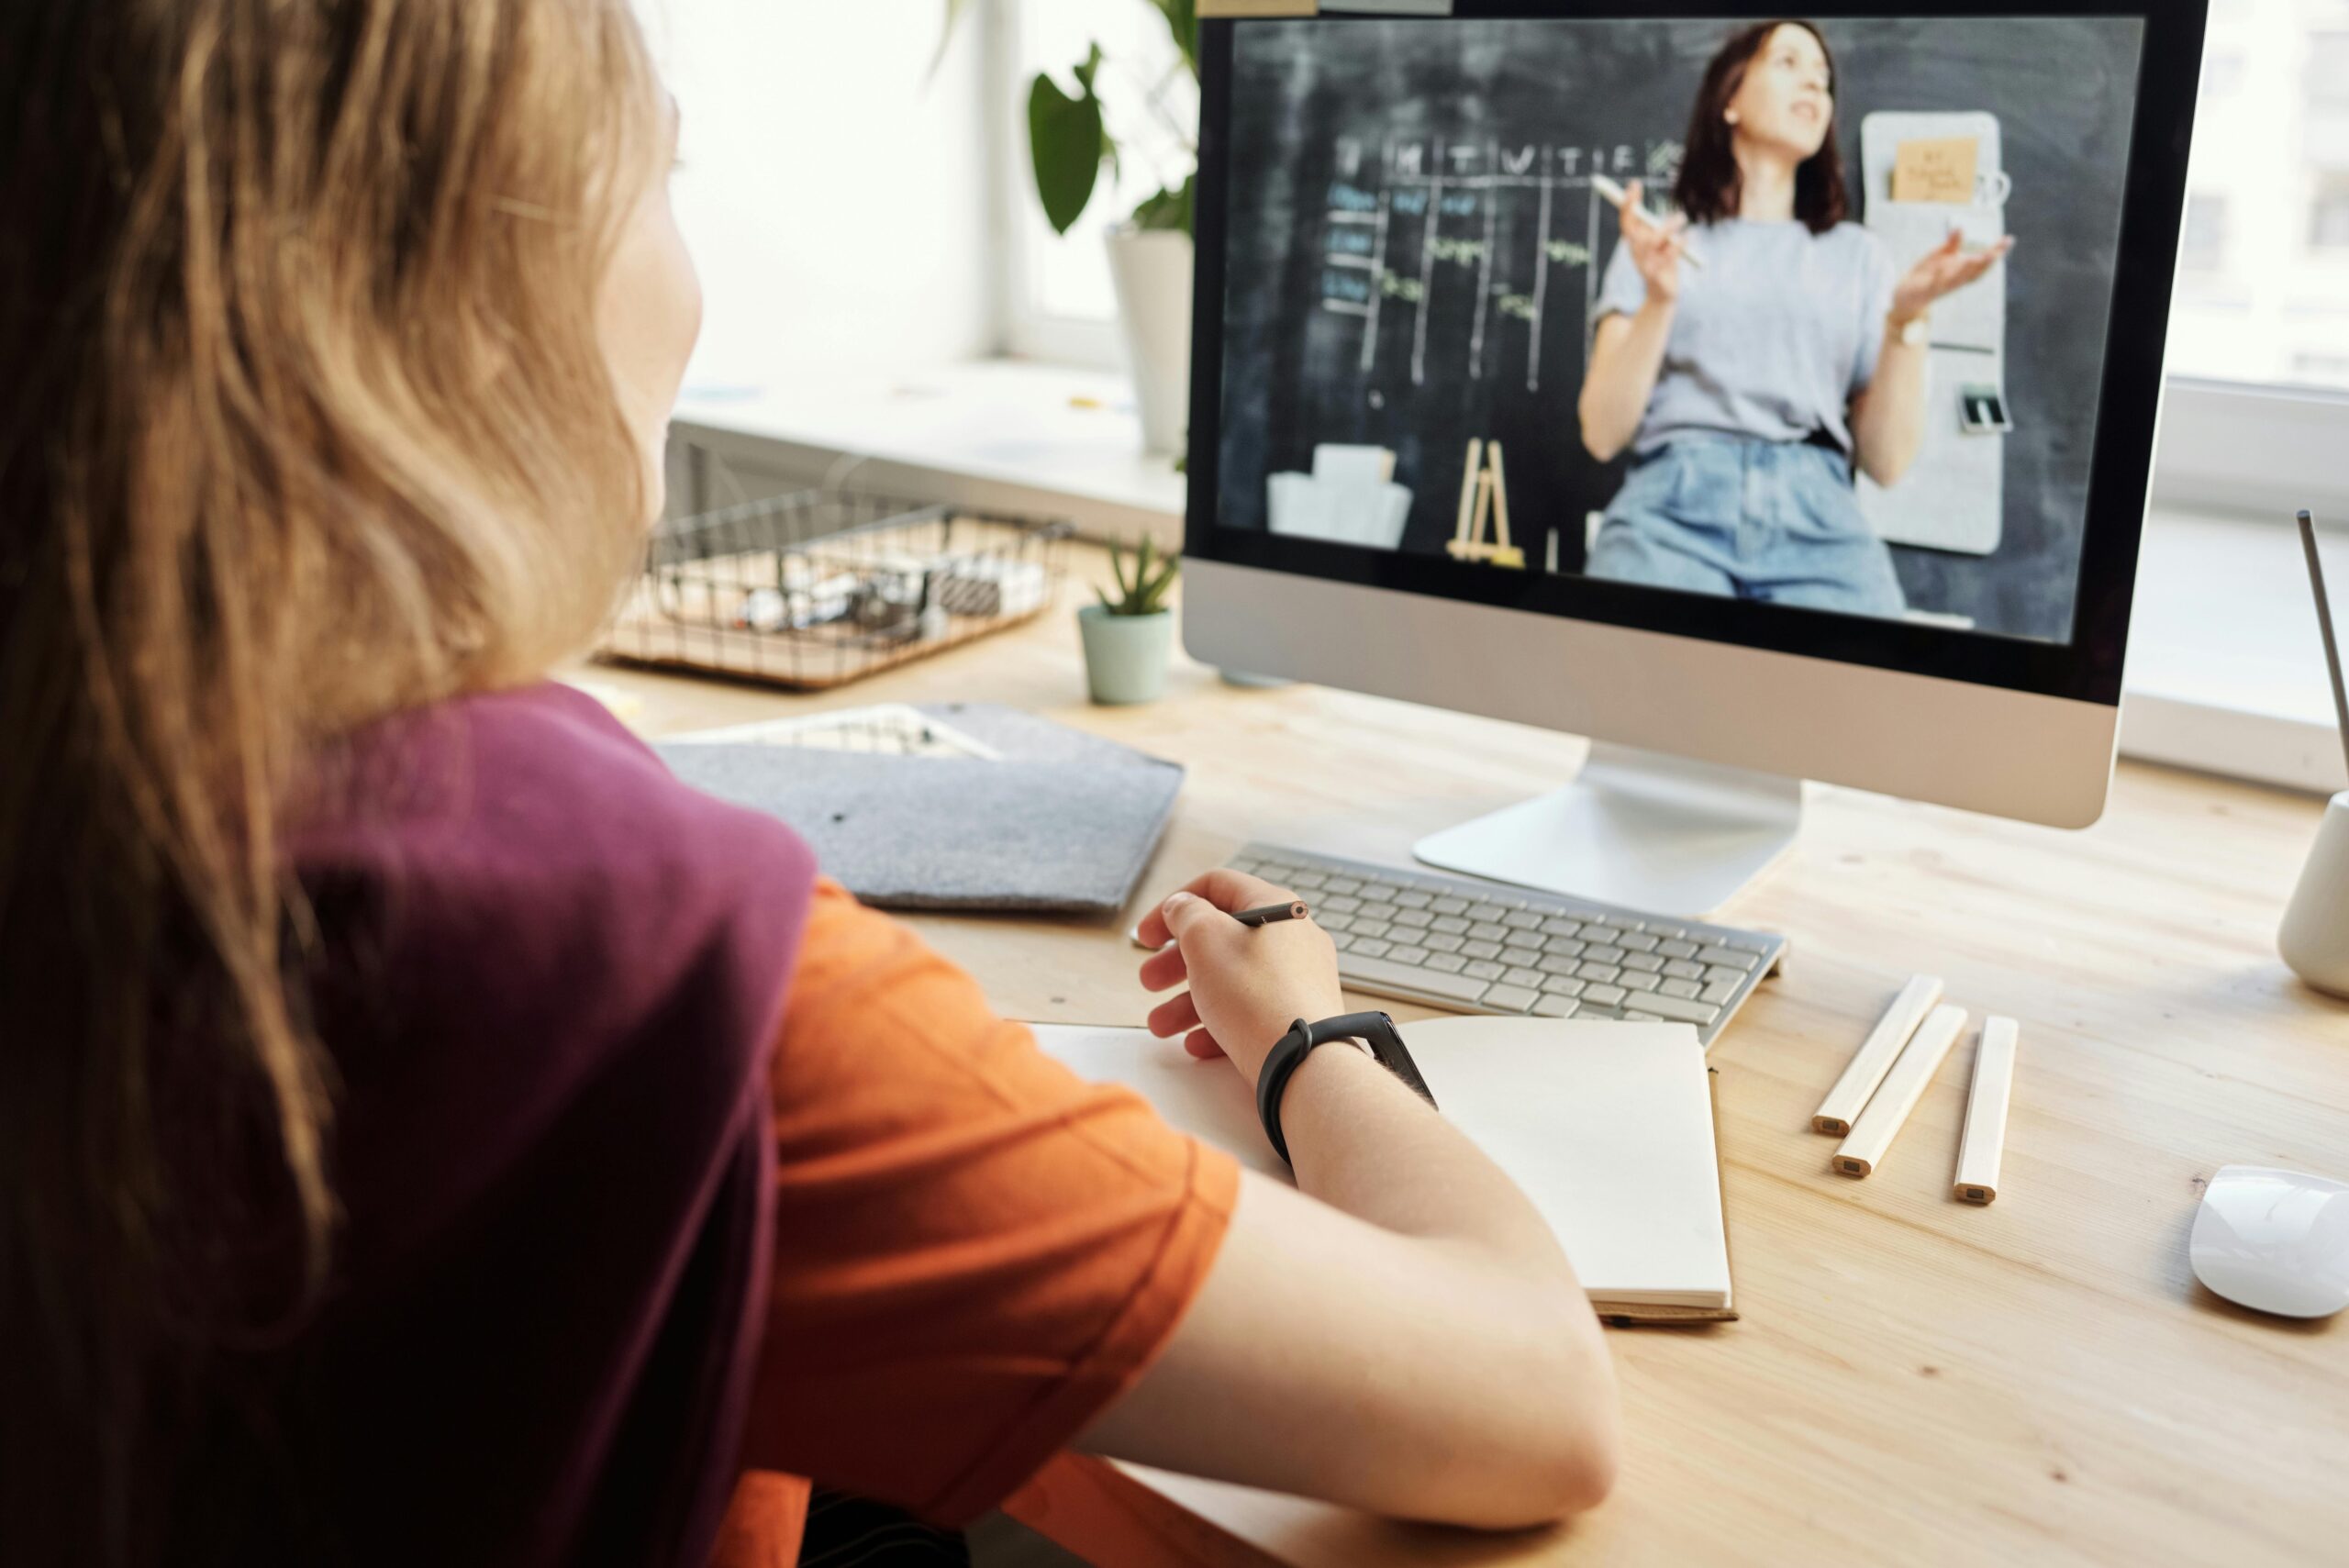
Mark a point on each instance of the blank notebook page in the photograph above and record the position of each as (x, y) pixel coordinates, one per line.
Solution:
(1606, 1127)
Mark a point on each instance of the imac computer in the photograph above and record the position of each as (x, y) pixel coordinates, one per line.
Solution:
(1768, 401)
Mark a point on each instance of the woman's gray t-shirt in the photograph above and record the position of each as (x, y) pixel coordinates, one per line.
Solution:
(1774, 335)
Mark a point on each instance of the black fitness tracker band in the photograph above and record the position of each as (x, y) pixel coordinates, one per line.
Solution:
(1376, 1028)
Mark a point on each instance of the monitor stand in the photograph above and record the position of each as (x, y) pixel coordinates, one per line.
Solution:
(1643, 830)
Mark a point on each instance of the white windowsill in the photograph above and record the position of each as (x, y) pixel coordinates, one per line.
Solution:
(1000, 433)
(2226, 672)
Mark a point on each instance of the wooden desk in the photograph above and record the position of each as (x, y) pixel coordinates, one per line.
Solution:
(1915, 1380)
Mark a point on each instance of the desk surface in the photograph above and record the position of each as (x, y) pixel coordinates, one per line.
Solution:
(1914, 1380)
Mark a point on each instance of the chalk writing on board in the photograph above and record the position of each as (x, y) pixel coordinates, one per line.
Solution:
(1409, 223)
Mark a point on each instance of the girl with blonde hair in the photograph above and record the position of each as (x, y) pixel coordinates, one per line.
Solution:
(428, 1131)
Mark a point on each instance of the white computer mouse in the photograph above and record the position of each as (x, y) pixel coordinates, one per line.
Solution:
(2275, 1240)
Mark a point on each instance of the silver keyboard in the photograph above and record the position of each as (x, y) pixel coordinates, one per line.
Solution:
(1483, 946)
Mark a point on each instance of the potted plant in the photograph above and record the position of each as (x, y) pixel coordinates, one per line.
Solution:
(1150, 253)
(1130, 635)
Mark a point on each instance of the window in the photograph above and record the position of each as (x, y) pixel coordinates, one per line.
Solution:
(2205, 248)
(1060, 302)
(2328, 73)
(2267, 227)
(2329, 212)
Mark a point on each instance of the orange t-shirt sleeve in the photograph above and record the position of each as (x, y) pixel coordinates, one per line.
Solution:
(975, 1250)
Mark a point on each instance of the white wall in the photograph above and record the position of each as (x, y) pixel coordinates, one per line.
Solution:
(834, 191)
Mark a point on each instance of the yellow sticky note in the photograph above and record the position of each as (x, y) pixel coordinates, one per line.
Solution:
(1940, 169)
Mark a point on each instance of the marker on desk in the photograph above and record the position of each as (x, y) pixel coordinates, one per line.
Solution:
(1293, 910)
(1986, 1112)
(1873, 1133)
(1616, 196)
(1845, 1102)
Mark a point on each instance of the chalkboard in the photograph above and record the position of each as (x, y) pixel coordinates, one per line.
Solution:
(1415, 242)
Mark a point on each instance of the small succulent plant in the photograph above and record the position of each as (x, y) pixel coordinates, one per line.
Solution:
(1143, 579)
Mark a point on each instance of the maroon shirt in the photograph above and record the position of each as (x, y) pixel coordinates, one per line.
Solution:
(551, 1151)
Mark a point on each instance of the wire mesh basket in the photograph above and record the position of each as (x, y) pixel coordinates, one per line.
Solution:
(814, 590)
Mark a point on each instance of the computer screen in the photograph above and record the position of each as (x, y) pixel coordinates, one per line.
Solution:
(1839, 336)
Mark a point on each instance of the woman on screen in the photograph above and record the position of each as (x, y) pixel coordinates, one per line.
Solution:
(1751, 360)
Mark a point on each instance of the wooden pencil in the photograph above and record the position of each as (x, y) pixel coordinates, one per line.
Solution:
(1873, 1134)
(1876, 1056)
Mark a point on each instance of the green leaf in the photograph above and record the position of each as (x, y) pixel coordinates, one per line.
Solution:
(1170, 209)
(1068, 143)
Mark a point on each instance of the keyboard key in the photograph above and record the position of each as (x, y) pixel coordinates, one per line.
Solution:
(1643, 963)
(1444, 942)
(1565, 963)
(1446, 964)
(1603, 997)
(1341, 884)
(1592, 1010)
(1637, 941)
(1634, 979)
(1413, 956)
(1483, 950)
(1669, 933)
(1677, 949)
(1681, 969)
(1532, 977)
(1485, 969)
(1605, 954)
(1376, 971)
(1677, 1010)
(1340, 941)
(1413, 919)
(1510, 999)
(1717, 995)
(1363, 925)
(1623, 922)
(1487, 912)
(1452, 923)
(1332, 923)
(1686, 989)
(1522, 920)
(1565, 947)
(1518, 957)
(1738, 957)
(1598, 971)
(1556, 1007)
(1372, 949)
(1722, 974)
(1412, 898)
(1561, 929)
(1450, 905)
(1758, 946)
(1489, 931)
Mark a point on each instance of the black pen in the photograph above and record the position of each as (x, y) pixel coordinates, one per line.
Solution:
(1294, 911)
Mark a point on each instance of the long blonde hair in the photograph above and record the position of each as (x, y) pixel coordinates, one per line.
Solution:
(306, 421)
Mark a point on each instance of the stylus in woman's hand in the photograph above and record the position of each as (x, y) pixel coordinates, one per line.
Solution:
(1643, 230)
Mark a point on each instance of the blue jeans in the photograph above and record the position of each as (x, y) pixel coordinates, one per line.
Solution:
(1774, 521)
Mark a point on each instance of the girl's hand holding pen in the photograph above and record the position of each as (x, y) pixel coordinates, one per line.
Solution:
(1247, 984)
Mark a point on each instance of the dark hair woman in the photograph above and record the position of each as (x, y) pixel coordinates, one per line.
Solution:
(1748, 390)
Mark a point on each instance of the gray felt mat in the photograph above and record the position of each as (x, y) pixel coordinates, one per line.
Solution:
(1066, 822)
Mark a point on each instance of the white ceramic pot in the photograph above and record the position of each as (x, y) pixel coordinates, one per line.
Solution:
(1125, 656)
(1152, 269)
(2315, 937)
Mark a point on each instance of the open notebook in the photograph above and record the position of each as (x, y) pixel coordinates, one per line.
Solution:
(1608, 1127)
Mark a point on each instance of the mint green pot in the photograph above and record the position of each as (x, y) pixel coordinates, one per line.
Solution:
(1125, 656)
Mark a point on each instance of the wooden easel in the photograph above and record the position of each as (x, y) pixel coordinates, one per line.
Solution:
(1484, 490)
